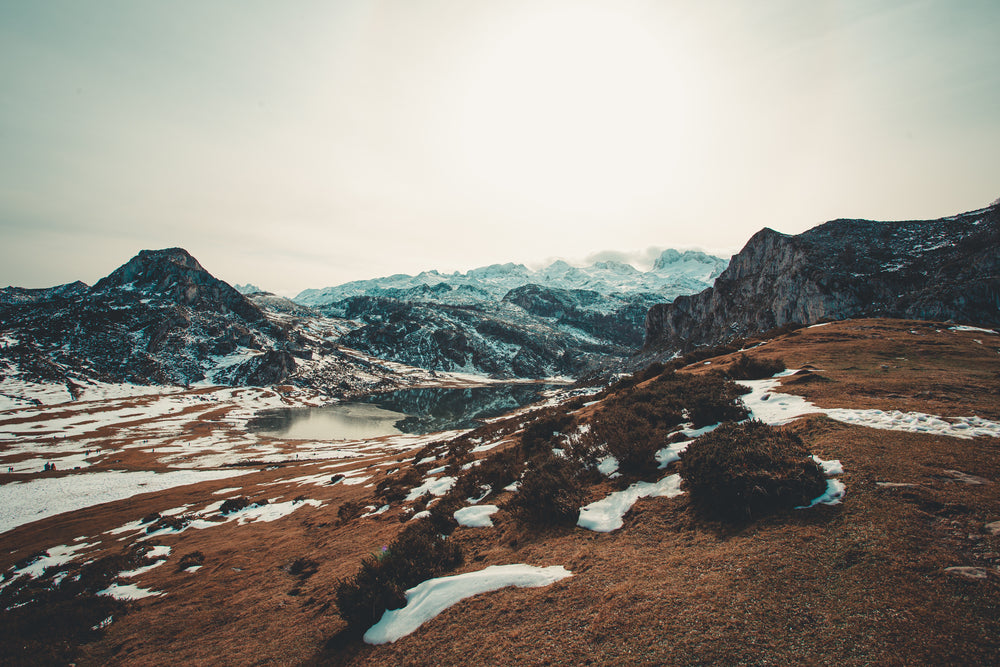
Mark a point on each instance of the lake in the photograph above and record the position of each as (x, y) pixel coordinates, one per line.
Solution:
(417, 411)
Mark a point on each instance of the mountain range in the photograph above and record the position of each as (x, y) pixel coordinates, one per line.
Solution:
(161, 318)
(673, 273)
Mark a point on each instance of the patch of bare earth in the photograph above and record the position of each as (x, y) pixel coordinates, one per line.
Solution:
(904, 572)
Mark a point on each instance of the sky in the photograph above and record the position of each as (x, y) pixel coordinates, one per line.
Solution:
(305, 143)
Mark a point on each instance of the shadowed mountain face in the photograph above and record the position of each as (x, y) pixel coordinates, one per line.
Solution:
(159, 318)
(947, 269)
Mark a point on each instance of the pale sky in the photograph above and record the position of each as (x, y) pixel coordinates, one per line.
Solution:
(307, 143)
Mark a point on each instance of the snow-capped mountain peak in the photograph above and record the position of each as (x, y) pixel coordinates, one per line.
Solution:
(674, 273)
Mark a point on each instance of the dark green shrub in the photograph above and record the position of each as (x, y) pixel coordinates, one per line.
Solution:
(633, 425)
(396, 487)
(537, 437)
(351, 509)
(417, 554)
(234, 505)
(754, 368)
(710, 399)
(550, 494)
(496, 471)
(630, 438)
(744, 471)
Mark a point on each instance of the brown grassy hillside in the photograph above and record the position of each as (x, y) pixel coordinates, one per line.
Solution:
(904, 571)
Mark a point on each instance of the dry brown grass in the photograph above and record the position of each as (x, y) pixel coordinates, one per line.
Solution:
(856, 584)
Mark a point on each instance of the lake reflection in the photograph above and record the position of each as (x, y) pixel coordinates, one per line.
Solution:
(346, 421)
(417, 411)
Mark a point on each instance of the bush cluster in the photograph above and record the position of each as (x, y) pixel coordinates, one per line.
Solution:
(634, 424)
(744, 471)
(419, 553)
(550, 494)
(754, 368)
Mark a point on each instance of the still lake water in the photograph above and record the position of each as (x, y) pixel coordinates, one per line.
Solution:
(417, 411)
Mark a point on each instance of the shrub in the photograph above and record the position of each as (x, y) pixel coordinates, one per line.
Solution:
(744, 471)
(550, 494)
(754, 368)
(537, 438)
(234, 505)
(630, 438)
(351, 509)
(633, 425)
(496, 471)
(710, 399)
(396, 487)
(417, 554)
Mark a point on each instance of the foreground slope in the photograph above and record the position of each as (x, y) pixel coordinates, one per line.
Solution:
(947, 269)
(903, 571)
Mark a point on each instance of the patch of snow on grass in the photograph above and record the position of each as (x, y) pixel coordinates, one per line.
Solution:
(975, 329)
(477, 516)
(774, 408)
(24, 502)
(436, 487)
(53, 557)
(671, 453)
(831, 467)
(608, 465)
(834, 492)
(917, 422)
(270, 512)
(430, 598)
(127, 592)
(606, 515)
(781, 408)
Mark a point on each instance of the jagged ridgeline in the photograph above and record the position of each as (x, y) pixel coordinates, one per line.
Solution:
(946, 269)
(510, 321)
(161, 318)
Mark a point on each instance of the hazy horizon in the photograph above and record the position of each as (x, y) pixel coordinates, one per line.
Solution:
(310, 144)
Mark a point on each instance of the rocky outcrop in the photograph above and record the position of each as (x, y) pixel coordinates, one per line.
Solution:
(502, 339)
(947, 269)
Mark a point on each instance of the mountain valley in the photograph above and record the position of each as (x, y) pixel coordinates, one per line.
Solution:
(789, 458)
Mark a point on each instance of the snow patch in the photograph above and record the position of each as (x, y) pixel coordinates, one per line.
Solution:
(430, 598)
(606, 515)
(477, 516)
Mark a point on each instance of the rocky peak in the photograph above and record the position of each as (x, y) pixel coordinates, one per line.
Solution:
(926, 269)
(174, 275)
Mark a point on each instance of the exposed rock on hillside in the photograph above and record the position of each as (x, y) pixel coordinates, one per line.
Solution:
(161, 318)
(947, 269)
(506, 320)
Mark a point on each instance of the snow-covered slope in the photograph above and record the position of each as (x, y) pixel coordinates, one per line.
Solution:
(674, 273)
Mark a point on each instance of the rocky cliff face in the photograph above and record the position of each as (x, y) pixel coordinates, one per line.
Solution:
(947, 269)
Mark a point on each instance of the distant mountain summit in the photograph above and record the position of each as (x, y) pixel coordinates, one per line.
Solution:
(174, 275)
(946, 269)
(507, 320)
(674, 273)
